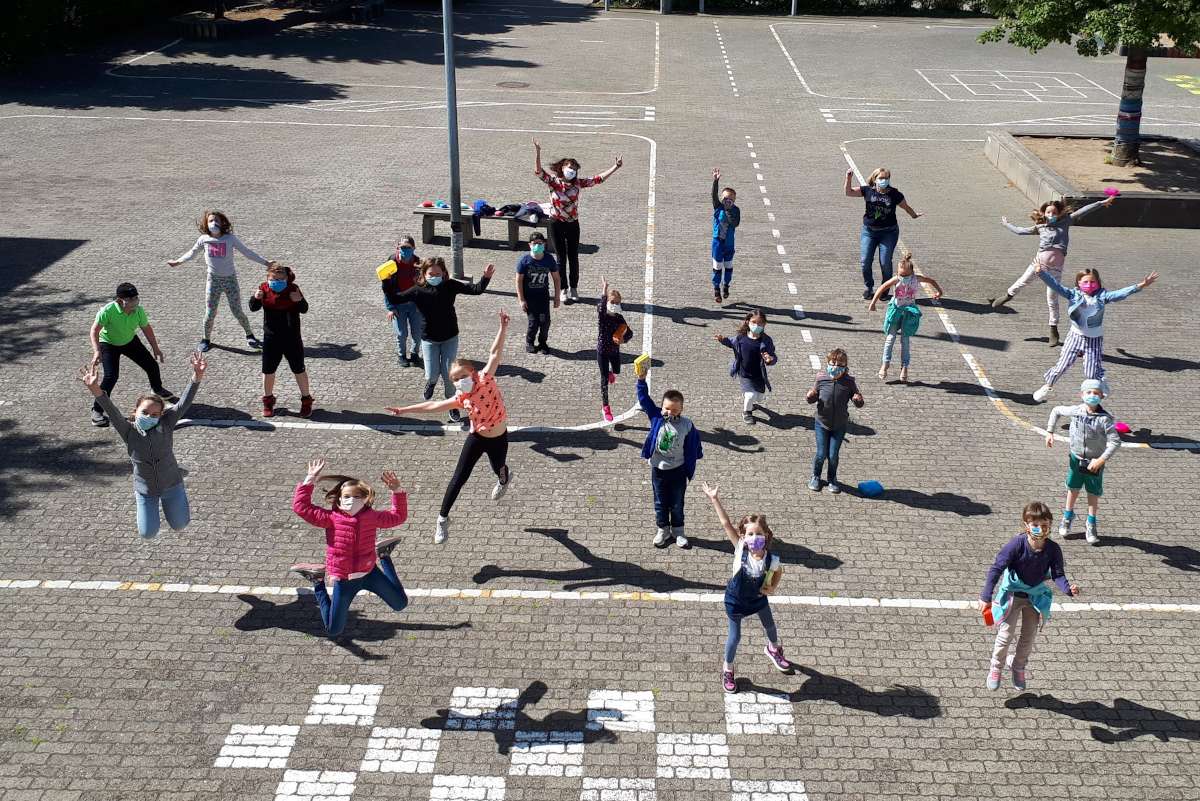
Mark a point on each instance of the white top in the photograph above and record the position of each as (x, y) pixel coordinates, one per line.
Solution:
(754, 567)
(218, 253)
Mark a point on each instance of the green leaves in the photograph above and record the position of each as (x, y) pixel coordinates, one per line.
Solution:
(1095, 27)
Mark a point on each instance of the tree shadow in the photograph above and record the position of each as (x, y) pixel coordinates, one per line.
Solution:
(510, 724)
(789, 553)
(1125, 720)
(34, 314)
(600, 571)
(1164, 364)
(332, 350)
(970, 388)
(35, 463)
(302, 616)
(960, 505)
(899, 700)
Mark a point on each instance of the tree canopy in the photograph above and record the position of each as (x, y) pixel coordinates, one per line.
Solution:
(1094, 26)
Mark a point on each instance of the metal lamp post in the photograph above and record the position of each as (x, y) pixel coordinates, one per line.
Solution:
(456, 234)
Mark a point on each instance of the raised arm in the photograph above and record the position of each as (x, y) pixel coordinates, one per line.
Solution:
(89, 376)
(247, 252)
(478, 286)
(604, 176)
(715, 197)
(1052, 282)
(648, 406)
(1121, 294)
(1089, 208)
(851, 191)
(713, 495)
(302, 503)
(537, 159)
(175, 412)
(399, 511)
(497, 352)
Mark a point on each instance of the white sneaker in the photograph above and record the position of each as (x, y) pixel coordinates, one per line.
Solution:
(681, 541)
(442, 531)
(499, 490)
(1091, 533)
(562, 296)
(660, 539)
(1064, 528)
(1042, 393)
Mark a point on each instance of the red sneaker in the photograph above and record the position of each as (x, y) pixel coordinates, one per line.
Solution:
(306, 405)
(268, 402)
(612, 378)
(607, 411)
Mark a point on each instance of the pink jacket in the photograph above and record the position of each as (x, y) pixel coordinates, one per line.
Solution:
(349, 539)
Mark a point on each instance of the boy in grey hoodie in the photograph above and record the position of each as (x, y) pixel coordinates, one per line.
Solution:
(1093, 439)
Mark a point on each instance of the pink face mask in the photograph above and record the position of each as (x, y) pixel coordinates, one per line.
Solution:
(1089, 287)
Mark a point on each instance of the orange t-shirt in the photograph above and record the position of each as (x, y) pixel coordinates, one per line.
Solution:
(484, 404)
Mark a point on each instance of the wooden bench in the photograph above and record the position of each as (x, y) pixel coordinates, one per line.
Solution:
(431, 215)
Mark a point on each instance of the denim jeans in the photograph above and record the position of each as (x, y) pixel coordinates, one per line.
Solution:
(829, 445)
(407, 320)
(735, 631)
(889, 343)
(669, 488)
(174, 504)
(438, 357)
(382, 580)
(868, 241)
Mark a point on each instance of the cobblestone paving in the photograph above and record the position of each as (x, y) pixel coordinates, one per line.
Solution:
(212, 682)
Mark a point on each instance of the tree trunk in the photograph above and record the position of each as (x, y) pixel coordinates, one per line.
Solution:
(1129, 113)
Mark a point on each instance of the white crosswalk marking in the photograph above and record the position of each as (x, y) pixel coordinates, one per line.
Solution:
(758, 713)
(257, 747)
(693, 756)
(344, 704)
(401, 750)
(618, 710)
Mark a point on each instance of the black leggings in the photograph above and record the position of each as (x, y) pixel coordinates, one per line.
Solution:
(566, 247)
(475, 447)
(135, 351)
(608, 363)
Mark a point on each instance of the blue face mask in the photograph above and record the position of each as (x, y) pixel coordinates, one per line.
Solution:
(1091, 400)
(1035, 531)
(433, 280)
(835, 370)
(883, 183)
(1051, 218)
(144, 421)
(406, 254)
(277, 285)
(755, 328)
(537, 250)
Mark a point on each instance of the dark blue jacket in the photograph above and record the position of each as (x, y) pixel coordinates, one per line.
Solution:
(692, 449)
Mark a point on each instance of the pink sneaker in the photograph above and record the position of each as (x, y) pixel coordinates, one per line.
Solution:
(612, 378)
(607, 411)
(1018, 679)
(728, 682)
(993, 680)
(777, 659)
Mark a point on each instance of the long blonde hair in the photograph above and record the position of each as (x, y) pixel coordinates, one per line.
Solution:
(874, 176)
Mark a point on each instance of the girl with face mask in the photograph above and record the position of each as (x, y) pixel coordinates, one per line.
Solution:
(565, 182)
(282, 303)
(835, 389)
(149, 436)
(218, 242)
(1052, 224)
(354, 560)
(613, 332)
(753, 352)
(1085, 307)
(903, 316)
(478, 394)
(755, 577)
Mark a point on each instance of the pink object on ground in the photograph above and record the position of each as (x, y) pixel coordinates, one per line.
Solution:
(1111, 191)
(1122, 427)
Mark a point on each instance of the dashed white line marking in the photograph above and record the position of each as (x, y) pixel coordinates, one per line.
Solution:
(791, 288)
(787, 268)
(766, 201)
(780, 250)
(753, 155)
(755, 165)
(798, 310)
(806, 335)
(814, 361)
(770, 216)
(762, 189)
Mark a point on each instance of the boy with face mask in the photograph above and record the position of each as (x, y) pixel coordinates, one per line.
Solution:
(1093, 438)
(672, 448)
(115, 334)
(536, 273)
(833, 392)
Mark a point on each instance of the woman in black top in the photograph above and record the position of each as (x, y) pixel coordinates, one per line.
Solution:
(880, 229)
(434, 294)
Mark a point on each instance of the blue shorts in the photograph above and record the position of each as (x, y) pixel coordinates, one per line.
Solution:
(722, 250)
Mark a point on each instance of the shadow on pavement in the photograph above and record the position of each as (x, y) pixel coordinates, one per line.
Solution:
(790, 554)
(1179, 557)
(897, 701)
(1125, 720)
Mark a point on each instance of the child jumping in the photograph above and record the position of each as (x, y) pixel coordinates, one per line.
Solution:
(1085, 307)
(1016, 591)
(282, 303)
(833, 391)
(755, 577)
(903, 315)
(404, 315)
(115, 334)
(479, 395)
(354, 561)
(1052, 224)
(219, 242)
(726, 217)
(536, 271)
(753, 352)
(1094, 439)
(149, 436)
(672, 448)
(613, 332)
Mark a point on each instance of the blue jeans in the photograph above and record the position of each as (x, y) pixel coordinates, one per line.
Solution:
(438, 357)
(174, 504)
(382, 580)
(868, 241)
(669, 488)
(829, 445)
(407, 320)
(889, 343)
(735, 632)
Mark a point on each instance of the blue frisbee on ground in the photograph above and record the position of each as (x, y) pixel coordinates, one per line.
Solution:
(871, 489)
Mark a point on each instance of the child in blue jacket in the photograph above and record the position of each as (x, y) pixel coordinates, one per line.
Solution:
(726, 218)
(672, 448)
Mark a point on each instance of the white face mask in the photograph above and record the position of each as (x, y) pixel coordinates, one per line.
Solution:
(614, 308)
(465, 385)
(569, 173)
(214, 228)
(351, 505)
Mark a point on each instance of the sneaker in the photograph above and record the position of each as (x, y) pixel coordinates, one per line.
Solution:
(306, 405)
(544, 349)
(868, 293)
(777, 659)
(502, 486)
(529, 348)
(403, 361)
(386, 546)
(427, 393)
(833, 488)
(606, 410)
(993, 680)
(455, 416)
(442, 531)
(152, 539)
(415, 358)
(1091, 532)
(680, 540)
(313, 573)
(252, 342)
(99, 419)
(562, 297)
(204, 347)
(728, 681)
(268, 402)
(1064, 528)
(574, 294)
(166, 394)
(814, 484)
(1043, 393)
(716, 295)
(747, 417)
(660, 538)
(1018, 679)
(612, 378)
(725, 291)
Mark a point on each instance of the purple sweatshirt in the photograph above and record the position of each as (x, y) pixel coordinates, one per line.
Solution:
(1030, 566)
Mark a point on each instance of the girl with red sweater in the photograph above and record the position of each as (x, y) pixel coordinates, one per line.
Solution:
(354, 561)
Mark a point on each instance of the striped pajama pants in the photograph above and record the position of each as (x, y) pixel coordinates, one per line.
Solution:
(1092, 349)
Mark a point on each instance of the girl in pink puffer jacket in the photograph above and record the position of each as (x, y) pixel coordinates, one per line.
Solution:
(354, 561)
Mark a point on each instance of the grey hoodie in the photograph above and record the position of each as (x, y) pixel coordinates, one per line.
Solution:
(1093, 436)
(152, 452)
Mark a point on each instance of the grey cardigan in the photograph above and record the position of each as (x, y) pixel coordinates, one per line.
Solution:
(1092, 436)
(152, 452)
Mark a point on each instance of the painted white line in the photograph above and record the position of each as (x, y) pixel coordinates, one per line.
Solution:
(775, 233)
(753, 155)
(762, 189)
(766, 201)
(780, 250)
(798, 311)
(771, 216)
(787, 268)
(814, 361)
(806, 335)
(755, 165)
(791, 288)
(136, 59)
(964, 27)
(580, 125)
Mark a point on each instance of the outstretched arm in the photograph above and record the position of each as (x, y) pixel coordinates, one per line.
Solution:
(715, 198)
(537, 158)
(722, 515)
(1052, 282)
(1081, 211)
(604, 176)
(497, 352)
(1121, 294)
(426, 407)
(884, 287)
(1018, 229)
(188, 256)
(247, 252)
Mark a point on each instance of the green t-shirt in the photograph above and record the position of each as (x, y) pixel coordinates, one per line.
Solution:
(117, 327)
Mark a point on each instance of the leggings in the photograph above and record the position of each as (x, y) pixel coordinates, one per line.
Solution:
(226, 285)
(382, 580)
(608, 363)
(735, 631)
(475, 447)
(1092, 349)
(566, 247)
(135, 351)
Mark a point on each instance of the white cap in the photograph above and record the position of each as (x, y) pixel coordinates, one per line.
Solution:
(1093, 384)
